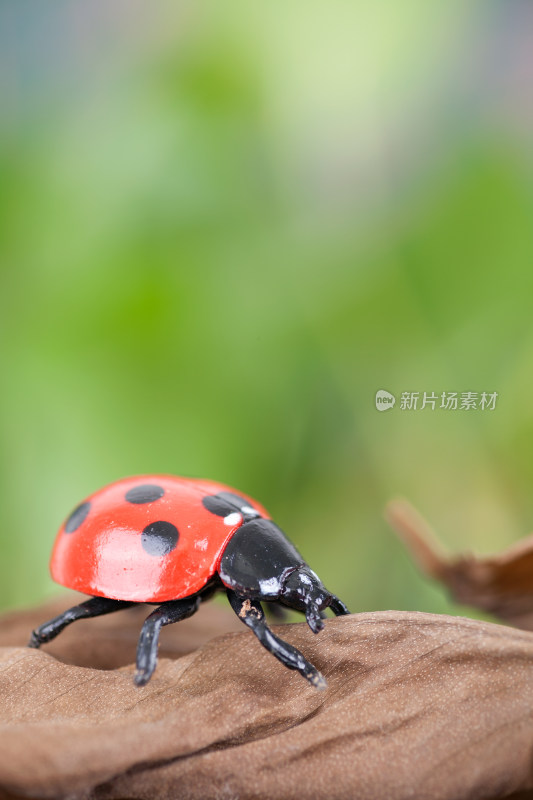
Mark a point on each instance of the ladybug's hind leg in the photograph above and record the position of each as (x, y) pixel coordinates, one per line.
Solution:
(251, 613)
(167, 613)
(95, 607)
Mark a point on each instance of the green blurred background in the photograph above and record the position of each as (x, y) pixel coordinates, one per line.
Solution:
(225, 226)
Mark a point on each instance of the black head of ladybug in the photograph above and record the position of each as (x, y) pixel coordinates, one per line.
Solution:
(259, 562)
(303, 590)
(233, 547)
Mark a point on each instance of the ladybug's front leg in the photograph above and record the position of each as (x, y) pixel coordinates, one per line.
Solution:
(251, 613)
(167, 613)
(338, 607)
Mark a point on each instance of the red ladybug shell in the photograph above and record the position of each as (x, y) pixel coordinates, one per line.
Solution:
(145, 539)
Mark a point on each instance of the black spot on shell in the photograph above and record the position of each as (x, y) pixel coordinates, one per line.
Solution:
(77, 517)
(224, 503)
(159, 538)
(146, 493)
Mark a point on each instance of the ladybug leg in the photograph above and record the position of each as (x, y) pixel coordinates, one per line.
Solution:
(251, 613)
(95, 607)
(166, 614)
(338, 607)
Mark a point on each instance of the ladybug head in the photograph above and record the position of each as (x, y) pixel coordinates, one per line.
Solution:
(303, 590)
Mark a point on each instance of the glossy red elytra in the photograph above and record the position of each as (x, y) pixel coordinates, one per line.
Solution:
(175, 541)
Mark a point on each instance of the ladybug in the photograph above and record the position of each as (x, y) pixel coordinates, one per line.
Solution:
(174, 542)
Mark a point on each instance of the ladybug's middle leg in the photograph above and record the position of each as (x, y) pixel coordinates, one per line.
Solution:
(251, 613)
(95, 607)
(167, 613)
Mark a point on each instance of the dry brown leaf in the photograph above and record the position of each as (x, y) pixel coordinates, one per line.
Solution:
(418, 706)
(501, 584)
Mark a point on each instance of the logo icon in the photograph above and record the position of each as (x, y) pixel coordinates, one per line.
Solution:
(384, 400)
